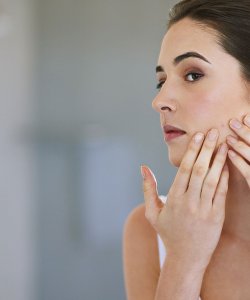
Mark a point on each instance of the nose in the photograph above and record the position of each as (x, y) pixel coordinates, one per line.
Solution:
(163, 102)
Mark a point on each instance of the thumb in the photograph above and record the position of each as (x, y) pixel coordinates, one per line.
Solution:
(153, 204)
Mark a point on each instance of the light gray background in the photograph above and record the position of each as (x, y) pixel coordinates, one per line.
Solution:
(77, 82)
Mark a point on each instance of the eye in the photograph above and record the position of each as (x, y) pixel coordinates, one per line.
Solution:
(159, 85)
(193, 76)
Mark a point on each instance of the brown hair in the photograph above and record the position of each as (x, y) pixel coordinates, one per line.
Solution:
(229, 18)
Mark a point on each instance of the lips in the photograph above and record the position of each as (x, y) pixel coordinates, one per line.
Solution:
(172, 132)
(172, 129)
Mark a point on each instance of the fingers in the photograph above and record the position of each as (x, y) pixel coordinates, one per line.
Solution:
(211, 182)
(242, 130)
(241, 147)
(221, 192)
(182, 177)
(152, 202)
(241, 164)
(240, 157)
(201, 165)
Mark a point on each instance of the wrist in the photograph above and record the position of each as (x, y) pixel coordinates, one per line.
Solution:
(186, 263)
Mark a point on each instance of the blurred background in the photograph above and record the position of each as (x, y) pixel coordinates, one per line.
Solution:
(77, 81)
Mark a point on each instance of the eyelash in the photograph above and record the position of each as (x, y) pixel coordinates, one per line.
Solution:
(159, 85)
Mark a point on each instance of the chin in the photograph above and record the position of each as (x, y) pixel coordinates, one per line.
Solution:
(175, 156)
(175, 160)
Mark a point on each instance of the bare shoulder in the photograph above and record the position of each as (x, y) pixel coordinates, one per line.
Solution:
(137, 215)
(140, 256)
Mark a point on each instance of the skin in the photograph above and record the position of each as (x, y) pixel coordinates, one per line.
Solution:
(197, 104)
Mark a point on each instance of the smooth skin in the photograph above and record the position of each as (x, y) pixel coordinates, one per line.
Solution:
(215, 93)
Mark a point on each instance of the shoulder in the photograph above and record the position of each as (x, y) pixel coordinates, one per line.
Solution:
(137, 215)
(140, 255)
(137, 227)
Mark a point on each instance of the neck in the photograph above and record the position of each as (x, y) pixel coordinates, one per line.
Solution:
(237, 211)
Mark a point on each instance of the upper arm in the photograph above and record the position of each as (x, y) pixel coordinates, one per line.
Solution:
(140, 256)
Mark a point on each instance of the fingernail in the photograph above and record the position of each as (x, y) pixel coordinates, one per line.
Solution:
(143, 172)
(198, 137)
(223, 148)
(212, 135)
(231, 153)
(247, 120)
(235, 124)
(231, 140)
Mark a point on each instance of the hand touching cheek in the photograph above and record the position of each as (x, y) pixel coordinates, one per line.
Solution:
(191, 221)
(240, 155)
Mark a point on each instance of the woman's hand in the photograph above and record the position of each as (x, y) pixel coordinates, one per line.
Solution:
(242, 161)
(191, 221)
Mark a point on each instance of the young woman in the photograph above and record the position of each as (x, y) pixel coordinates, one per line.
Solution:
(197, 243)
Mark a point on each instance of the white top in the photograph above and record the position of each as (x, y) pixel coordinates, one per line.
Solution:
(161, 247)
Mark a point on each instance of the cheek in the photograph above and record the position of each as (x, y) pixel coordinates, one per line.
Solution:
(211, 109)
(212, 105)
(206, 106)
(215, 107)
(223, 98)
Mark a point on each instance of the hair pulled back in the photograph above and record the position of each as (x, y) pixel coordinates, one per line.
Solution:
(229, 18)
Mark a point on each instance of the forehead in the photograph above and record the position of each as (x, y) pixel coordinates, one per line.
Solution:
(186, 35)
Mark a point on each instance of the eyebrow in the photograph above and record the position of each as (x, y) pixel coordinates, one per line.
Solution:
(181, 57)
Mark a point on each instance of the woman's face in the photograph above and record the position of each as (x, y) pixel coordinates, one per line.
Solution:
(209, 98)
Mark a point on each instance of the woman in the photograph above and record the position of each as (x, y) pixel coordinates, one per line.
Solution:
(203, 72)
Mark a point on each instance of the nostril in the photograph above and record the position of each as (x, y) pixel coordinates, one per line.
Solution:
(165, 107)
